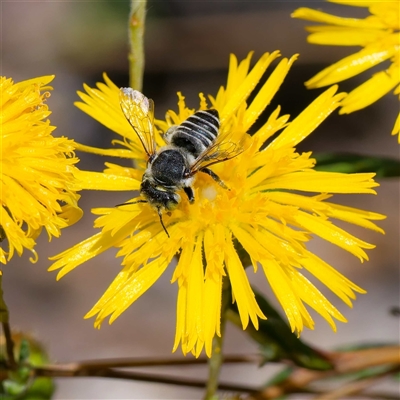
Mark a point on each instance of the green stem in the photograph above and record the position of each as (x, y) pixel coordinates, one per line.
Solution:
(216, 360)
(4, 319)
(136, 51)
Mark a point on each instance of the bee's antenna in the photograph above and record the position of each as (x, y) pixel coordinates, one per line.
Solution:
(132, 202)
(162, 223)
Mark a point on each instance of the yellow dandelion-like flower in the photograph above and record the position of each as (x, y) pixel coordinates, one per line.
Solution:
(266, 210)
(378, 34)
(36, 169)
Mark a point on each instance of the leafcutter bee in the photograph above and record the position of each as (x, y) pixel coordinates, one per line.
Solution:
(191, 147)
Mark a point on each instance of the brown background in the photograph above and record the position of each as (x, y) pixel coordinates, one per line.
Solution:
(187, 49)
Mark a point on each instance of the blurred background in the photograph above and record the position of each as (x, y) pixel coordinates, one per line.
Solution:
(187, 49)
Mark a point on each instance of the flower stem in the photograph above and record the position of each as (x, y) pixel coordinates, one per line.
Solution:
(4, 319)
(136, 52)
(216, 360)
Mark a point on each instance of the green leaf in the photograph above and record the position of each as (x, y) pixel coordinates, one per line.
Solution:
(277, 340)
(40, 389)
(13, 388)
(24, 350)
(280, 377)
(370, 371)
(20, 385)
(352, 163)
(364, 346)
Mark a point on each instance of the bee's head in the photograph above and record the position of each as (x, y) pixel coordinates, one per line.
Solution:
(159, 197)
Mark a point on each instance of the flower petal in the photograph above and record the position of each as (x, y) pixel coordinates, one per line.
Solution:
(351, 65)
(195, 298)
(370, 91)
(332, 279)
(190, 324)
(319, 16)
(125, 289)
(122, 153)
(334, 234)
(241, 289)
(99, 181)
(268, 90)
(77, 255)
(41, 81)
(310, 295)
(181, 313)
(319, 181)
(308, 120)
(355, 216)
(290, 301)
(212, 310)
(343, 36)
(396, 128)
(246, 87)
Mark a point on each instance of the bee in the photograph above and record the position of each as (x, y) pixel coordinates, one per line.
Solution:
(190, 147)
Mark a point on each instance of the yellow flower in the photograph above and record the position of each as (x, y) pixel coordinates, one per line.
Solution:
(265, 211)
(379, 36)
(36, 169)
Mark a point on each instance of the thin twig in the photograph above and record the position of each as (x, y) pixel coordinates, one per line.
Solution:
(360, 359)
(380, 396)
(347, 362)
(143, 377)
(136, 47)
(9, 346)
(343, 363)
(372, 396)
(79, 368)
(356, 387)
(4, 318)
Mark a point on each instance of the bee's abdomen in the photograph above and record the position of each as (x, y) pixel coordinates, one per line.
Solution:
(198, 132)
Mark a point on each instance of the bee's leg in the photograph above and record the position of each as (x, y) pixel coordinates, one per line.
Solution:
(132, 202)
(215, 177)
(162, 223)
(189, 193)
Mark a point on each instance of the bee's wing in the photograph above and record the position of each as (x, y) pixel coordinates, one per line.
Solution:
(221, 150)
(139, 111)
